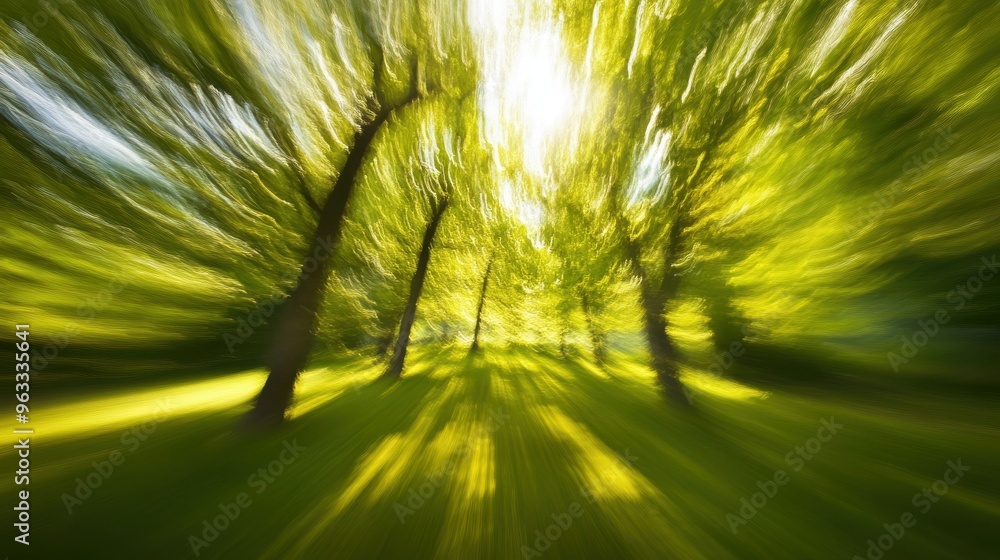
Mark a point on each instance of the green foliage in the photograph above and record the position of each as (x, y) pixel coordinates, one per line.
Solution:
(825, 170)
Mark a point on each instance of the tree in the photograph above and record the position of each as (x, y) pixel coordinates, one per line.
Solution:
(482, 302)
(295, 330)
(395, 368)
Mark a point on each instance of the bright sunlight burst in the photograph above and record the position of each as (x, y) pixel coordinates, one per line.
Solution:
(528, 91)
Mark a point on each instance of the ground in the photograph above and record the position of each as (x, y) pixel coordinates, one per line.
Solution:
(467, 457)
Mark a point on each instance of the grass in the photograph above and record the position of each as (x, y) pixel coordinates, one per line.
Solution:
(516, 437)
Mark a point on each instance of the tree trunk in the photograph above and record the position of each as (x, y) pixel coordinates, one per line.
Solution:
(663, 354)
(382, 345)
(661, 349)
(482, 301)
(294, 332)
(725, 320)
(671, 254)
(416, 286)
(597, 338)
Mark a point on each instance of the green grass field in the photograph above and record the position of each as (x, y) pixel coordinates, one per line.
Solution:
(498, 444)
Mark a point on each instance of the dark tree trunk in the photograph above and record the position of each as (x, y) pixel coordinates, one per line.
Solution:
(482, 301)
(725, 320)
(663, 354)
(661, 349)
(294, 332)
(382, 345)
(671, 282)
(416, 286)
(597, 338)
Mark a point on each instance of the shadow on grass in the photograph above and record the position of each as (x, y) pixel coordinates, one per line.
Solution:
(467, 456)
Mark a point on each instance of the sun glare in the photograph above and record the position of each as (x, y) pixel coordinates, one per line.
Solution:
(528, 92)
(539, 78)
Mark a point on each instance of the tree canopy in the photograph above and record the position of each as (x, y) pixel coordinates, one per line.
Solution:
(787, 163)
